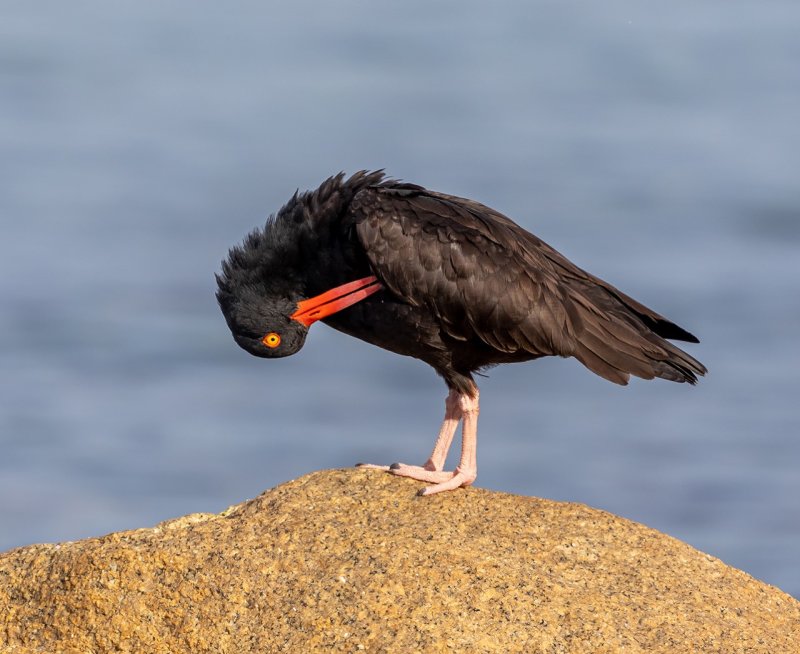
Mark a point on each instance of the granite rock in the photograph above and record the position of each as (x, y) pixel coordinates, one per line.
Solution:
(353, 560)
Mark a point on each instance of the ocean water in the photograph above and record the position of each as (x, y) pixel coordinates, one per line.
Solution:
(656, 146)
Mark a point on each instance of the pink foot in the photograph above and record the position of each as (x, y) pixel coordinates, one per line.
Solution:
(420, 473)
(458, 407)
(457, 479)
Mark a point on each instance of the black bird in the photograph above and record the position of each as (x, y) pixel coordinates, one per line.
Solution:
(440, 278)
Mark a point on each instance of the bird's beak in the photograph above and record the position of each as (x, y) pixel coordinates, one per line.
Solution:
(329, 302)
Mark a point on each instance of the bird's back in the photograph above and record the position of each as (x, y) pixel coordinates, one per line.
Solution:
(500, 293)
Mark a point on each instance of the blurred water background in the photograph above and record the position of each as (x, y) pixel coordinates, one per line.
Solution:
(657, 145)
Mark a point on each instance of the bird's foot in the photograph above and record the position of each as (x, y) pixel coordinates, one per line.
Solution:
(459, 406)
(442, 480)
(421, 473)
(456, 479)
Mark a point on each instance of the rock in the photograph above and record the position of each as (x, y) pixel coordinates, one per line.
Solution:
(352, 560)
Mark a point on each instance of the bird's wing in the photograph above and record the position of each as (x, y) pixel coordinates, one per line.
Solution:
(482, 275)
(465, 264)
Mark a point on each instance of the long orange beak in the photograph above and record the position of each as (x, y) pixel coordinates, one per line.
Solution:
(329, 302)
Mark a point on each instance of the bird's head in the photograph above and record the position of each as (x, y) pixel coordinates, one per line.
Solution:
(265, 303)
(260, 320)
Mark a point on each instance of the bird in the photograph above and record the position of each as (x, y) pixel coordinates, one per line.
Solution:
(440, 278)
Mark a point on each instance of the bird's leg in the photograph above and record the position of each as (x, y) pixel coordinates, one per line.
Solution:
(467, 408)
(458, 407)
(452, 416)
(467, 469)
(435, 463)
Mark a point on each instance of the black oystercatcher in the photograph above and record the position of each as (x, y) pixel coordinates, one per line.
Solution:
(440, 278)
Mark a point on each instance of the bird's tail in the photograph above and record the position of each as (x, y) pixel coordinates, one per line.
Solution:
(617, 344)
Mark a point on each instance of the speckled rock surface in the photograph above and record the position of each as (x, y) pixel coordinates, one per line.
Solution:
(353, 561)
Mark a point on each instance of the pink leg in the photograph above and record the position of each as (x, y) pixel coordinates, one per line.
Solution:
(432, 469)
(467, 469)
(458, 407)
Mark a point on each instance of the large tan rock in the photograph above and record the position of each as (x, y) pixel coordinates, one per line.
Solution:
(353, 561)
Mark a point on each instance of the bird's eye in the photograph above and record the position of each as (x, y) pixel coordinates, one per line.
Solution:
(271, 340)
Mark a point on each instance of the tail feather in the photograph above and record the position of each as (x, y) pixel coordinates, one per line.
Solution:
(621, 357)
(617, 344)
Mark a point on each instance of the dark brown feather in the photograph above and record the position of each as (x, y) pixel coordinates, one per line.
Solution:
(485, 279)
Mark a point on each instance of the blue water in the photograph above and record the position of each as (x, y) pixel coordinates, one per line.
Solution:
(657, 146)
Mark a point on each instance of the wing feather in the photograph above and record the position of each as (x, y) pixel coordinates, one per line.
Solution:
(433, 252)
(483, 276)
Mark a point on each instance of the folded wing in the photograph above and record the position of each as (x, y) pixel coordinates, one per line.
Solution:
(481, 275)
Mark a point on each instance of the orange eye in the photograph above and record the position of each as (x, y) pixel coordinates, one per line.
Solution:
(271, 340)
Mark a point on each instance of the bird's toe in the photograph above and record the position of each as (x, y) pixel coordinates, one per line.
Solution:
(419, 473)
(457, 479)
